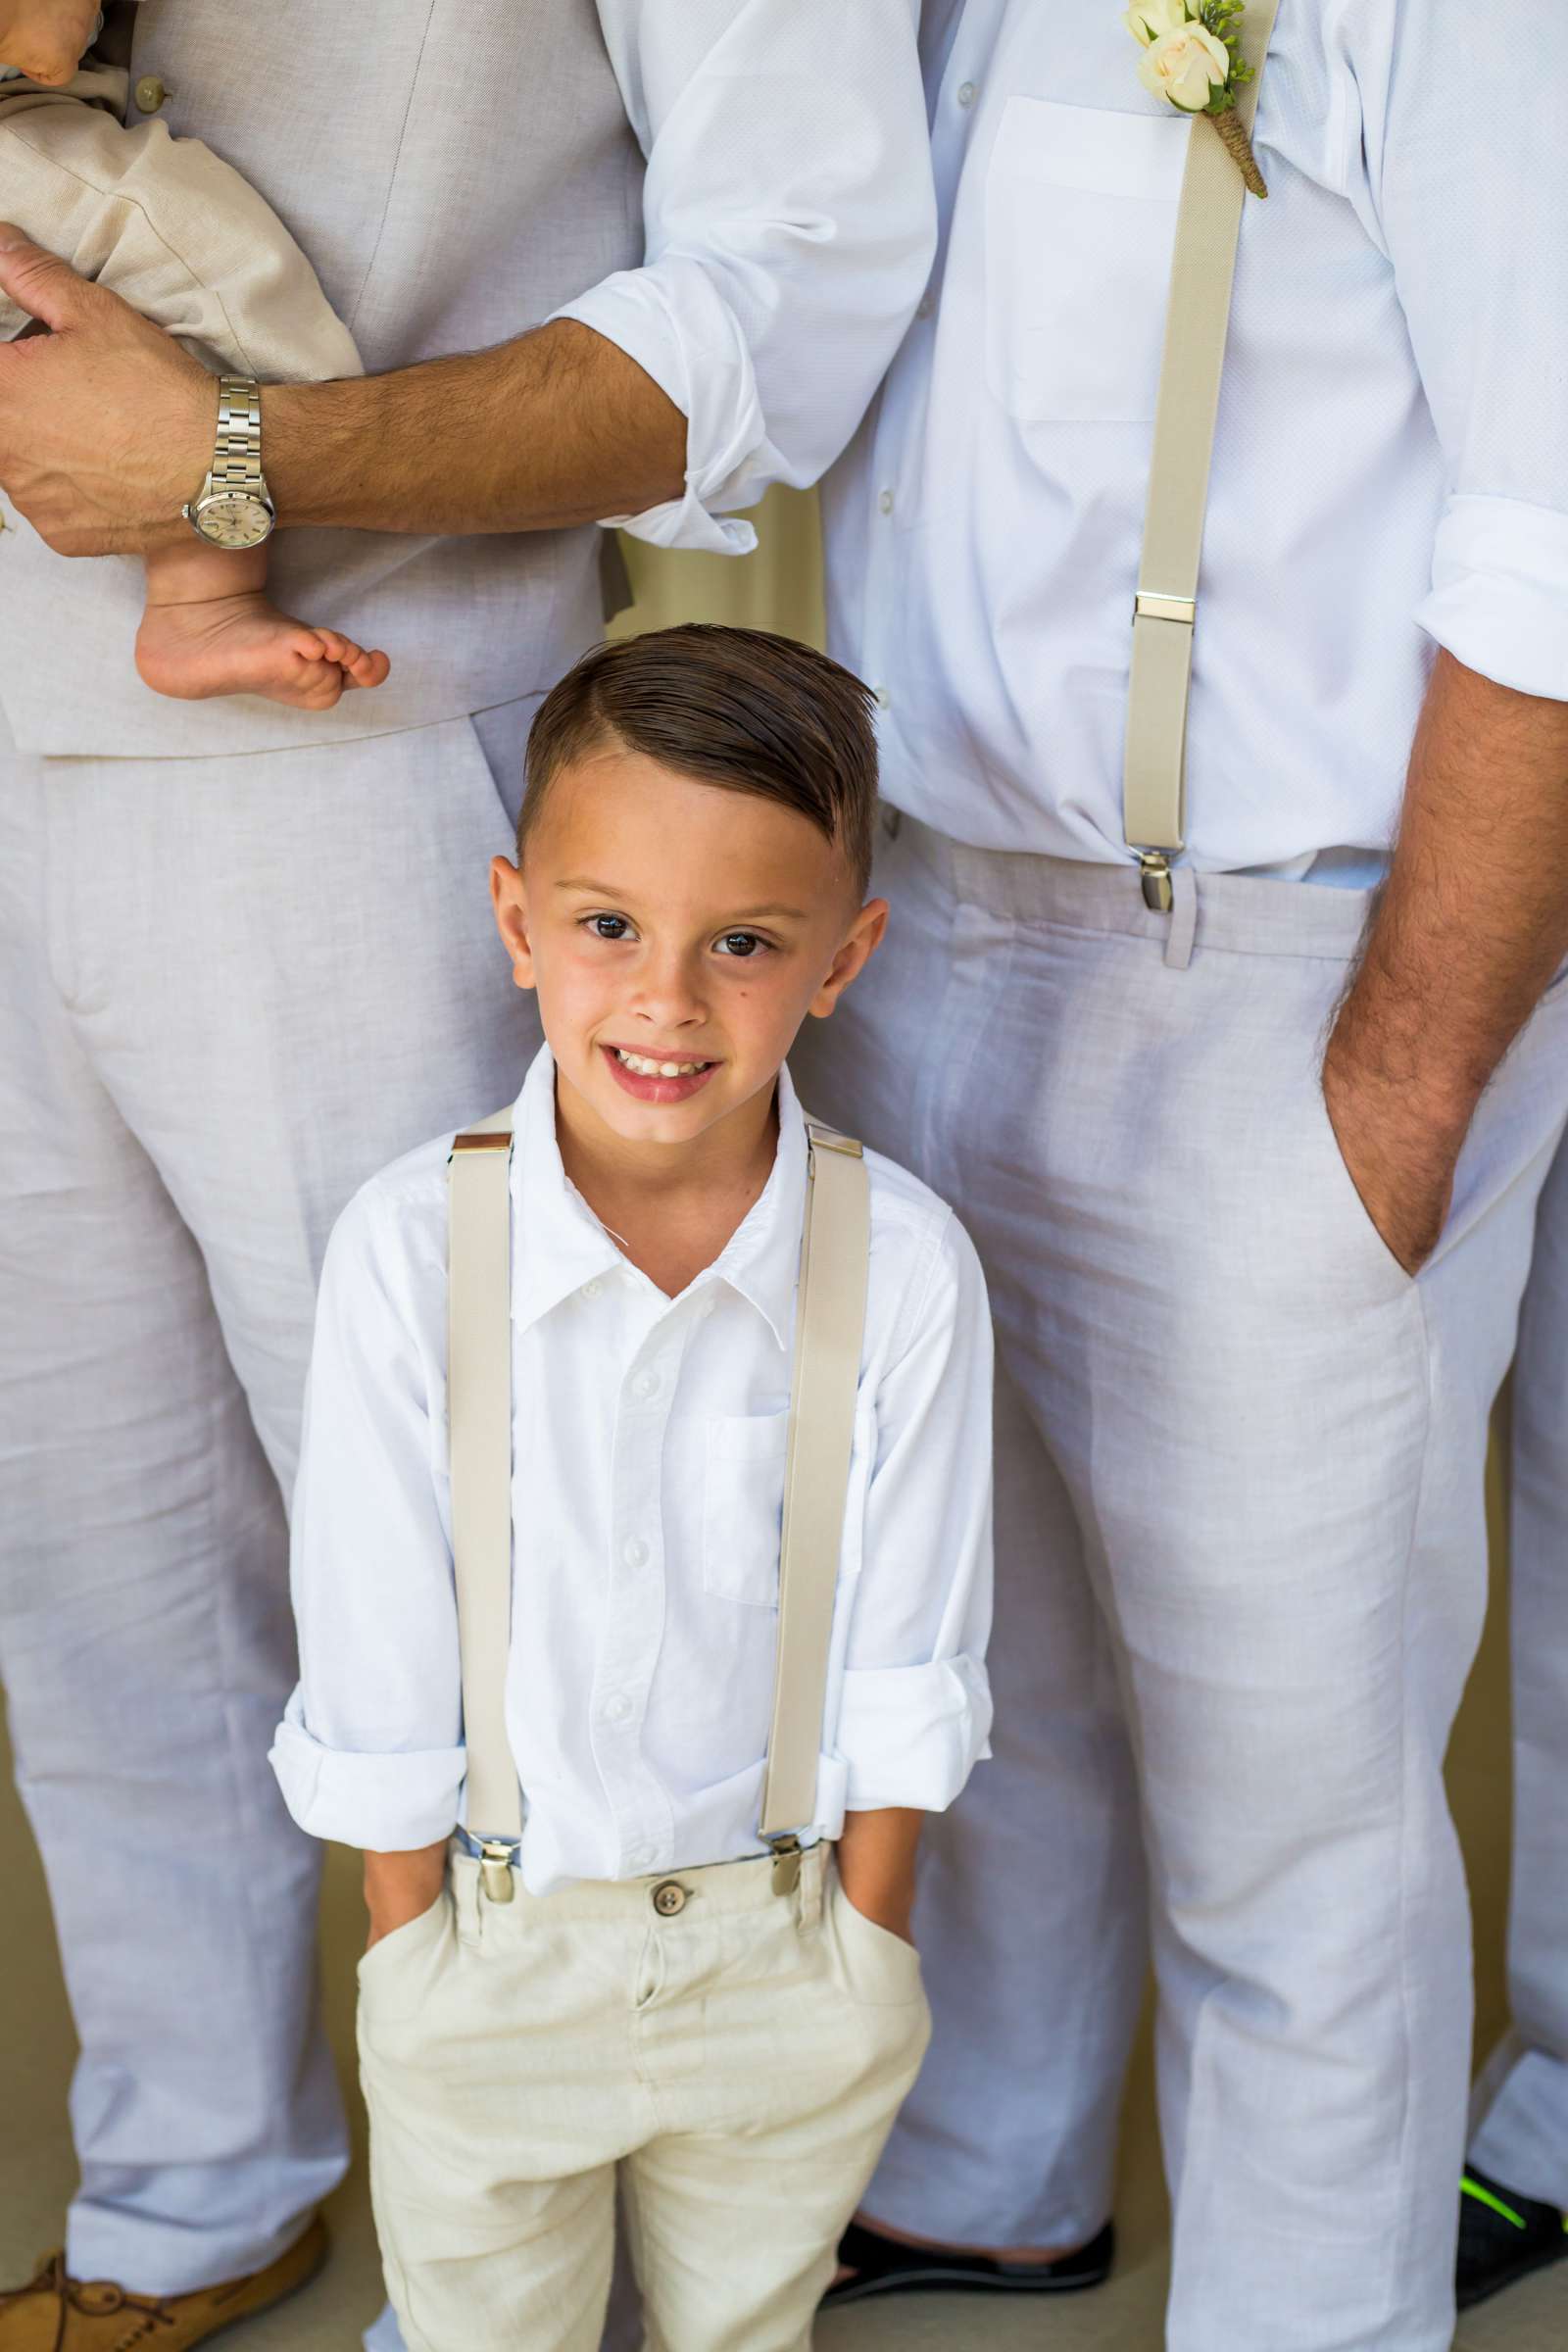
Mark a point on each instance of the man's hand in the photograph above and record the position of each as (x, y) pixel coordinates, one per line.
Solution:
(1400, 1154)
(1464, 935)
(398, 1888)
(876, 1865)
(45, 38)
(106, 424)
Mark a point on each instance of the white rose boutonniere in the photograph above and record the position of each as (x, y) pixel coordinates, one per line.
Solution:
(1193, 58)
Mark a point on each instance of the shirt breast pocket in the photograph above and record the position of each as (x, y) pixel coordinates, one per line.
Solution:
(1080, 224)
(742, 1506)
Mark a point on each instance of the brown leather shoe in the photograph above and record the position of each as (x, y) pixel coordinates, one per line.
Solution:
(56, 2313)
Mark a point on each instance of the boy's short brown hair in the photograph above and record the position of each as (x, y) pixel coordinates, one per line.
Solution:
(737, 707)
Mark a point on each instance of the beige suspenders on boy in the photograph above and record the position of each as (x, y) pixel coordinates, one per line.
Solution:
(835, 1251)
(1209, 223)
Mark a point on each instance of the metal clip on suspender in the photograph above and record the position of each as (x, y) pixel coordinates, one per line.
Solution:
(830, 1319)
(1165, 609)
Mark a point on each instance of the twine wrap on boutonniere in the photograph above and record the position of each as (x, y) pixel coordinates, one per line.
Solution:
(1193, 59)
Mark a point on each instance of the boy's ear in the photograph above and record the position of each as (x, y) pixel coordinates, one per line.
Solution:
(509, 899)
(860, 942)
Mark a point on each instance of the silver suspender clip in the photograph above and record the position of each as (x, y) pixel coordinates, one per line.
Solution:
(496, 1857)
(1159, 893)
(786, 1853)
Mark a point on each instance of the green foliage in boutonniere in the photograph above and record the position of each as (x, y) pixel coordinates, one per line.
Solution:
(1193, 59)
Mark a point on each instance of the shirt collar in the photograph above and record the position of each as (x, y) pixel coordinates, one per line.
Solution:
(561, 1245)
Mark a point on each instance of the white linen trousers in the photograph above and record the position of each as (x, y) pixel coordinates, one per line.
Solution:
(230, 989)
(1520, 2113)
(1229, 1417)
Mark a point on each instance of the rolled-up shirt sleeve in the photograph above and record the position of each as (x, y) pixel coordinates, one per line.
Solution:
(914, 1713)
(790, 223)
(370, 1751)
(1462, 126)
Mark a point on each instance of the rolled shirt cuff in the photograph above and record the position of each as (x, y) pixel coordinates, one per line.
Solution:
(913, 1735)
(1499, 600)
(671, 319)
(385, 1804)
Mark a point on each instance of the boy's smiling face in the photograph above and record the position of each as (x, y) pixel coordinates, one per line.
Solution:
(677, 934)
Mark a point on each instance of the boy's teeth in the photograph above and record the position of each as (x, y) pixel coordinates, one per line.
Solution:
(658, 1070)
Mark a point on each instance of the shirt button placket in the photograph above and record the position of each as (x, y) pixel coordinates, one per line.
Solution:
(635, 1610)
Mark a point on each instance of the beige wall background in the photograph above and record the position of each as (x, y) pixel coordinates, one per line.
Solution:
(777, 588)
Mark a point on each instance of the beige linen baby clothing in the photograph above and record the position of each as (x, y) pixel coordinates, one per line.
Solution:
(167, 224)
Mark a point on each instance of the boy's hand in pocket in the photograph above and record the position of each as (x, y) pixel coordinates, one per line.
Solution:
(399, 1886)
(876, 1866)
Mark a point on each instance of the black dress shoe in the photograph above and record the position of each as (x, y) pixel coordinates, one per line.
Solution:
(882, 2267)
(1502, 2236)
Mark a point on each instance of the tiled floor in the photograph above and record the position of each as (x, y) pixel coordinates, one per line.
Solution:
(36, 2173)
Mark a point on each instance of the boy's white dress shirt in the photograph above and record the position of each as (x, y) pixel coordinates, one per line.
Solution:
(1389, 467)
(649, 1439)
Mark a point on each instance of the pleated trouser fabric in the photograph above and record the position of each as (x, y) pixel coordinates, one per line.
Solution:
(1521, 2108)
(1240, 1576)
(230, 990)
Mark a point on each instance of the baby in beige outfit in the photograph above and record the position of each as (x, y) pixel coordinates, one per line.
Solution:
(178, 233)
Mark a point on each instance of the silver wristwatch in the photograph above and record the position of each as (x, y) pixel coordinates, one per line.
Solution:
(234, 507)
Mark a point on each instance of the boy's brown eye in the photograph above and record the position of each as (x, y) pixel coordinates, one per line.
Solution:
(608, 926)
(740, 943)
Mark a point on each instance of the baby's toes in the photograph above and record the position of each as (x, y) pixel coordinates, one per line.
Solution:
(366, 669)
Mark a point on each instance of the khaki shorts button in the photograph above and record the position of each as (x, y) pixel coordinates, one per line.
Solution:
(670, 1897)
(150, 95)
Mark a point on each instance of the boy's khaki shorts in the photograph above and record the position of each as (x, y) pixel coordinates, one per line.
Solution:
(734, 2055)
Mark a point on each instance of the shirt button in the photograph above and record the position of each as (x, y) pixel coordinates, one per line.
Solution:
(150, 95)
(670, 1898)
(617, 1709)
(885, 501)
(646, 1384)
(639, 1857)
(884, 698)
(967, 93)
(634, 1551)
(925, 305)
(591, 1290)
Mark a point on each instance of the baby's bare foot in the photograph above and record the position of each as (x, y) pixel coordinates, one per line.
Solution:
(242, 644)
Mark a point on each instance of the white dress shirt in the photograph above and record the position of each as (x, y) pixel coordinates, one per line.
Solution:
(790, 221)
(648, 1484)
(1391, 465)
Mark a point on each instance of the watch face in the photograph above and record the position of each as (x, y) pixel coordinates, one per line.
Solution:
(231, 519)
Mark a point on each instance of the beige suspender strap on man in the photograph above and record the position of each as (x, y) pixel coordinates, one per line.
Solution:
(1209, 223)
(831, 1319)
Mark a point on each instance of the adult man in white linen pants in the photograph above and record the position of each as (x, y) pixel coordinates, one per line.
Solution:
(246, 951)
(1252, 1303)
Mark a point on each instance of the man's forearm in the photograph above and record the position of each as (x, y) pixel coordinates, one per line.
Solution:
(556, 429)
(1465, 934)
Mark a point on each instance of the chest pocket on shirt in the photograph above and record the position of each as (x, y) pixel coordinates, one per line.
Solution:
(1080, 222)
(742, 1506)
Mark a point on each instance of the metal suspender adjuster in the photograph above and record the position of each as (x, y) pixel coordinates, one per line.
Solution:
(1153, 868)
(496, 1858)
(786, 1853)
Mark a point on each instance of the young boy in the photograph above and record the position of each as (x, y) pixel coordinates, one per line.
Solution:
(178, 232)
(647, 1986)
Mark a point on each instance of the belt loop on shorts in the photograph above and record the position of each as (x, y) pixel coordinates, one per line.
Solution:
(1183, 918)
(808, 1893)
